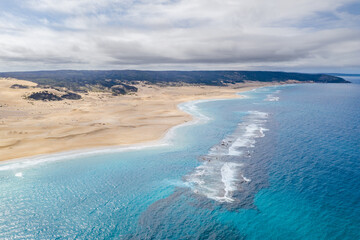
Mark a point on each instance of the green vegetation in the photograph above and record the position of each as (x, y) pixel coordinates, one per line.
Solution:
(122, 89)
(106, 80)
(71, 96)
(44, 96)
(48, 96)
(19, 86)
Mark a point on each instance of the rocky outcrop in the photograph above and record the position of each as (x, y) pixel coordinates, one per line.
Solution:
(71, 96)
(122, 89)
(49, 96)
(44, 96)
(19, 86)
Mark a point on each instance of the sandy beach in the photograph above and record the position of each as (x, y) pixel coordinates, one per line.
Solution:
(29, 127)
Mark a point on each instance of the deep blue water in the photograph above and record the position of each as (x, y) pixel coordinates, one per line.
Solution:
(282, 163)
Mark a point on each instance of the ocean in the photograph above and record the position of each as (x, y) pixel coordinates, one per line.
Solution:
(281, 163)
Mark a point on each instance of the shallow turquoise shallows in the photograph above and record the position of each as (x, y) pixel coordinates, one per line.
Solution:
(281, 163)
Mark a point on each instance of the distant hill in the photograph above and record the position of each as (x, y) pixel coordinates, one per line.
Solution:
(345, 74)
(75, 80)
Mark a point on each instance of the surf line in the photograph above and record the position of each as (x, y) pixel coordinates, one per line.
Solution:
(221, 173)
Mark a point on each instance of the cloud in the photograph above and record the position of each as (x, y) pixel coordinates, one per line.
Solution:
(180, 34)
(68, 6)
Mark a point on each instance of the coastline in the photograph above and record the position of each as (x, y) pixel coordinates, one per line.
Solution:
(170, 117)
(163, 141)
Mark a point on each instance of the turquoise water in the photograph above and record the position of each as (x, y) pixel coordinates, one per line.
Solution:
(282, 163)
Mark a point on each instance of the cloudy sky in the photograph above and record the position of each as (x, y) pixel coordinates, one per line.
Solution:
(296, 35)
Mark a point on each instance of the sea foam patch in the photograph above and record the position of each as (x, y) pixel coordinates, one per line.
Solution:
(221, 175)
(244, 136)
(271, 98)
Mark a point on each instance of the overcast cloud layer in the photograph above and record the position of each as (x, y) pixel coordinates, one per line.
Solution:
(297, 35)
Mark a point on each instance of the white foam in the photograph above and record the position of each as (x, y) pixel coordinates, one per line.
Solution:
(228, 177)
(272, 99)
(216, 180)
(19, 174)
(240, 142)
(247, 139)
(218, 177)
(258, 114)
(246, 179)
(243, 137)
(262, 130)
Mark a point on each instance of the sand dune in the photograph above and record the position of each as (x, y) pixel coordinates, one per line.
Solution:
(29, 127)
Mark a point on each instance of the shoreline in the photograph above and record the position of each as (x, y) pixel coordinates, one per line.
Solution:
(163, 141)
(156, 140)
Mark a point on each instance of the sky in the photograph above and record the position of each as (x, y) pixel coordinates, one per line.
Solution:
(285, 35)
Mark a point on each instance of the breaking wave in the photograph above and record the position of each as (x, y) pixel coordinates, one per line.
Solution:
(272, 98)
(221, 175)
